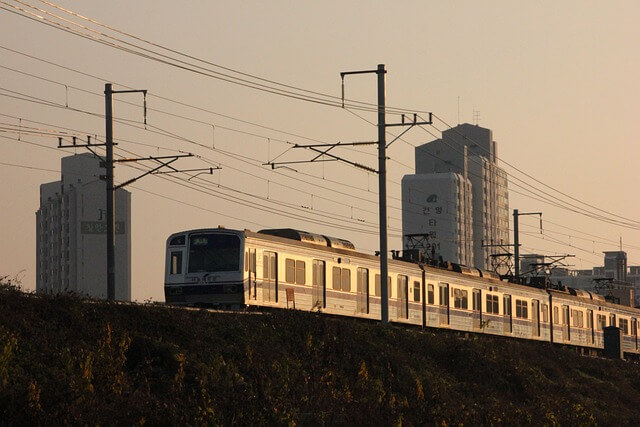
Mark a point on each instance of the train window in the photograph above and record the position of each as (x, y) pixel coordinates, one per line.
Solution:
(346, 280)
(300, 272)
(444, 294)
(403, 287)
(521, 309)
(492, 304)
(460, 298)
(577, 318)
(269, 266)
(336, 284)
(377, 286)
(545, 313)
(612, 320)
(176, 262)
(290, 270)
(362, 287)
(177, 241)
(477, 300)
(601, 322)
(341, 279)
(556, 315)
(590, 319)
(430, 294)
(295, 271)
(624, 326)
(634, 327)
(416, 291)
(507, 305)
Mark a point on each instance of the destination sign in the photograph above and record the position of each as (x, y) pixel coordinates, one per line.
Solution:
(97, 227)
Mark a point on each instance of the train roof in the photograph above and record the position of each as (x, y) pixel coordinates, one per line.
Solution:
(304, 236)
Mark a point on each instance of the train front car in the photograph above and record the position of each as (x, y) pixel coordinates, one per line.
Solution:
(204, 268)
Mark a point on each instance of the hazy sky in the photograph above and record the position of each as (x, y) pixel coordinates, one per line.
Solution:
(557, 82)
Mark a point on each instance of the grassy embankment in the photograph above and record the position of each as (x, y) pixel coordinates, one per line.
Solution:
(64, 360)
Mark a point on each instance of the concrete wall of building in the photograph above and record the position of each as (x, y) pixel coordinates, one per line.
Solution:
(71, 223)
(439, 205)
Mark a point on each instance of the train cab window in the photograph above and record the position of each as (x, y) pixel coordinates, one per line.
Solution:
(213, 252)
(430, 293)
(492, 304)
(377, 286)
(176, 262)
(416, 291)
(521, 309)
(624, 326)
(341, 279)
(177, 241)
(295, 271)
(460, 298)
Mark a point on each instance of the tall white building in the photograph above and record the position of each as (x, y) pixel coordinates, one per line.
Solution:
(71, 247)
(468, 151)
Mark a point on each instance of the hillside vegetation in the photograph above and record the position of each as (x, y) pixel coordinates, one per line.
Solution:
(65, 360)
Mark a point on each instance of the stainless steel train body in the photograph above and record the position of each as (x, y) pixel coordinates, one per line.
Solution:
(289, 268)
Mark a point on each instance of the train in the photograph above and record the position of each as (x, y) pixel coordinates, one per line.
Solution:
(288, 268)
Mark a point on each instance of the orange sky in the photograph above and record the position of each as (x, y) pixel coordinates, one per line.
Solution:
(557, 82)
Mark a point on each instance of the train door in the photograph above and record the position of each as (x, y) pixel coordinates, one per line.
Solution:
(508, 314)
(250, 264)
(590, 329)
(477, 308)
(270, 277)
(362, 302)
(535, 317)
(566, 327)
(318, 285)
(403, 297)
(444, 303)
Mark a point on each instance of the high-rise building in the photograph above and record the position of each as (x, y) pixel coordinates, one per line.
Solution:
(469, 152)
(71, 248)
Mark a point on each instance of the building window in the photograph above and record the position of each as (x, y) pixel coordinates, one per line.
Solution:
(492, 304)
(521, 309)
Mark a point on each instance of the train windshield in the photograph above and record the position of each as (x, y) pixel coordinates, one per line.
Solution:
(214, 252)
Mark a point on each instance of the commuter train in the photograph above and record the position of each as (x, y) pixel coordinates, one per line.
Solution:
(287, 268)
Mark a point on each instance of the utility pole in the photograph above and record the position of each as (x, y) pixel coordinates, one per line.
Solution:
(382, 178)
(380, 71)
(111, 214)
(516, 239)
(108, 163)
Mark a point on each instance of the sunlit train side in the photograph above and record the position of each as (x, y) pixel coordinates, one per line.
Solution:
(293, 269)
